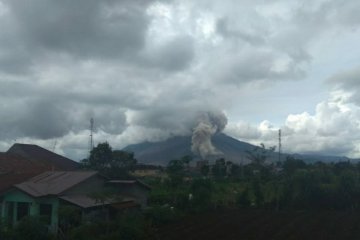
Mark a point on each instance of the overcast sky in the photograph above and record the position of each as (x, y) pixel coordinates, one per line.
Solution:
(143, 70)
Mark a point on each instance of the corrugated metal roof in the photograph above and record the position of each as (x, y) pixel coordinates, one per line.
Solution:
(88, 202)
(16, 169)
(14, 163)
(129, 182)
(54, 182)
(23, 161)
(41, 155)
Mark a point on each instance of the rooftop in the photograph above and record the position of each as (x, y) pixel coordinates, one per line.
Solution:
(42, 156)
(53, 182)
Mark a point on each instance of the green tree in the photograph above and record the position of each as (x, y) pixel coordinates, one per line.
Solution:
(31, 228)
(291, 165)
(205, 169)
(175, 171)
(219, 169)
(201, 190)
(259, 154)
(114, 164)
(101, 156)
(186, 160)
(121, 163)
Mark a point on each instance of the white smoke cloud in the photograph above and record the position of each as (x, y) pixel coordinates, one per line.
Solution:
(209, 123)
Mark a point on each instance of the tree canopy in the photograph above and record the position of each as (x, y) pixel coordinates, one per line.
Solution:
(112, 163)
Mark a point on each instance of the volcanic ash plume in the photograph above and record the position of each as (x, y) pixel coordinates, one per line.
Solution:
(209, 124)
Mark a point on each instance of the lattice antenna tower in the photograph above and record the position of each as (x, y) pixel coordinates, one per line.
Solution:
(54, 146)
(91, 144)
(279, 145)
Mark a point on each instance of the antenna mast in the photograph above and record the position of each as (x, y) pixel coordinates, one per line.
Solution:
(91, 134)
(279, 144)
(54, 146)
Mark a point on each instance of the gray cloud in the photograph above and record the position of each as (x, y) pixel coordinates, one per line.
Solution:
(34, 118)
(84, 28)
(144, 69)
(348, 81)
(255, 65)
(223, 28)
(173, 55)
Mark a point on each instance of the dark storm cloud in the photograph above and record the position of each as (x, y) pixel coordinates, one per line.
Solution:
(87, 28)
(32, 30)
(256, 66)
(34, 118)
(50, 118)
(109, 120)
(177, 120)
(43, 119)
(174, 55)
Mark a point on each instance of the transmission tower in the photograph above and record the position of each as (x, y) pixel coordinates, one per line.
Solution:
(91, 145)
(54, 146)
(279, 145)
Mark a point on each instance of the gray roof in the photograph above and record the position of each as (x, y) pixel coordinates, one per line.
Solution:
(129, 182)
(53, 182)
(43, 156)
(88, 202)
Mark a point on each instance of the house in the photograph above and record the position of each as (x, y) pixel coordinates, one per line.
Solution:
(41, 156)
(23, 161)
(45, 194)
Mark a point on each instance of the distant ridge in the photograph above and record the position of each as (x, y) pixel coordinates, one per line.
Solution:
(234, 150)
(177, 147)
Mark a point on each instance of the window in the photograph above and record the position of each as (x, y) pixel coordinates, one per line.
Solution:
(23, 209)
(45, 212)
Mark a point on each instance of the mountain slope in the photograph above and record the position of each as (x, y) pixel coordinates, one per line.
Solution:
(234, 150)
(177, 147)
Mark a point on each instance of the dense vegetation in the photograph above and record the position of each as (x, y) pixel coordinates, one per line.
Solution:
(291, 184)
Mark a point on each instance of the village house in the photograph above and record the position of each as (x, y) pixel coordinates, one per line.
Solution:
(37, 182)
(23, 161)
(88, 191)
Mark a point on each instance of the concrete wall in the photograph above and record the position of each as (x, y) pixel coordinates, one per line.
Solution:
(15, 196)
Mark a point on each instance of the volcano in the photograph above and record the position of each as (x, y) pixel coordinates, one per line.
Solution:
(160, 153)
(176, 147)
